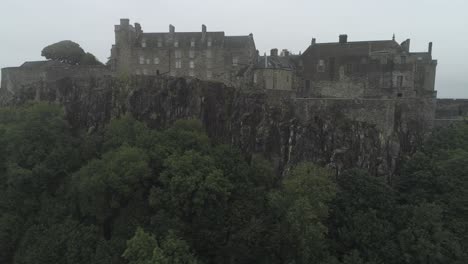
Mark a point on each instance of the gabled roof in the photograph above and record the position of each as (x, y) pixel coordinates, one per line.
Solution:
(38, 64)
(278, 62)
(236, 42)
(358, 47)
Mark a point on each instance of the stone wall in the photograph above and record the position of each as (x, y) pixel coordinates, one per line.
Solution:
(15, 80)
(450, 110)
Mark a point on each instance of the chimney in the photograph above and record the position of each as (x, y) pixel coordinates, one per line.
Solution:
(343, 38)
(430, 48)
(138, 29)
(405, 45)
(313, 41)
(274, 52)
(203, 30)
(266, 61)
(171, 29)
(124, 22)
(285, 52)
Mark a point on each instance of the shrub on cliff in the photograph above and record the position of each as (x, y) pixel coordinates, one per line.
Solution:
(67, 51)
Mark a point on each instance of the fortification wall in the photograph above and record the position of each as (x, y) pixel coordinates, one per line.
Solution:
(449, 111)
(15, 80)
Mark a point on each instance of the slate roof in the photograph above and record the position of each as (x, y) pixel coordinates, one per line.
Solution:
(38, 64)
(358, 46)
(236, 42)
(278, 62)
(184, 38)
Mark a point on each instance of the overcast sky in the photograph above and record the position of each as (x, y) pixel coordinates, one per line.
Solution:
(26, 26)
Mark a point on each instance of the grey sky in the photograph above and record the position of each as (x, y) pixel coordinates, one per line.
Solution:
(27, 26)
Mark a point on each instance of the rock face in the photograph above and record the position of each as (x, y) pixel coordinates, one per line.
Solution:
(369, 134)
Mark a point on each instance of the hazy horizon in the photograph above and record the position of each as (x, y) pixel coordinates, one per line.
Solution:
(28, 26)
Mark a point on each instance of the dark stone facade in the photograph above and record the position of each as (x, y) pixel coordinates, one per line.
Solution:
(204, 55)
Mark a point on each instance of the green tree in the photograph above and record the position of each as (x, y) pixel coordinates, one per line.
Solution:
(301, 209)
(67, 51)
(362, 218)
(143, 248)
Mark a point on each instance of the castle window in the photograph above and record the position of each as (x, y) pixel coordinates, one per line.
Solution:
(145, 72)
(178, 54)
(192, 64)
(403, 59)
(143, 43)
(160, 44)
(176, 43)
(235, 61)
(384, 60)
(208, 43)
(400, 81)
(191, 73)
(142, 59)
(178, 64)
(255, 78)
(191, 54)
(192, 43)
(321, 66)
(148, 61)
(349, 68)
(209, 74)
(137, 72)
(156, 60)
(209, 54)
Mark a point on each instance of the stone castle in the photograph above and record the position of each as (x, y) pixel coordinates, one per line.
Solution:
(369, 78)
(345, 104)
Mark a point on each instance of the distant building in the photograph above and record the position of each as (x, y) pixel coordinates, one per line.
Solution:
(204, 55)
(366, 69)
(276, 72)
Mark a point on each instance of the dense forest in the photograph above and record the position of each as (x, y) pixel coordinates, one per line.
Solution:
(129, 194)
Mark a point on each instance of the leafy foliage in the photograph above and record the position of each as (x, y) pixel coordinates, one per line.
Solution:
(67, 51)
(130, 194)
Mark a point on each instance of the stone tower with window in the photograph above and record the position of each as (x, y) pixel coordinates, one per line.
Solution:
(204, 55)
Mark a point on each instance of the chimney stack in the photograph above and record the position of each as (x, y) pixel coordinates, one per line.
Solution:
(203, 30)
(405, 45)
(285, 52)
(313, 41)
(274, 52)
(124, 22)
(430, 48)
(343, 38)
(171, 29)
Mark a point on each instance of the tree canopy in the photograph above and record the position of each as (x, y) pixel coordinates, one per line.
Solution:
(131, 194)
(67, 51)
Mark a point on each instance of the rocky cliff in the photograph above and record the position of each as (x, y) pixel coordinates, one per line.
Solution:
(373, 135)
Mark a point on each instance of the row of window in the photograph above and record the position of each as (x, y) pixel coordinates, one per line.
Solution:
(178, 55)
(349, 67)
(209, 74)
(176, 43)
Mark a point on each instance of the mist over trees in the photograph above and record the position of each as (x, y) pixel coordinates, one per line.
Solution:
(130, 194)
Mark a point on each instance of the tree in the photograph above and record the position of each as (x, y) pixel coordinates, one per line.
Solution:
(143, 248)
(361, 223)
(301, 208)
(67, 51)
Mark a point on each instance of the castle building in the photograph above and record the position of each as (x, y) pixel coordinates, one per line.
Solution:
(204, 55)
(277, 72)
(366, 69)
